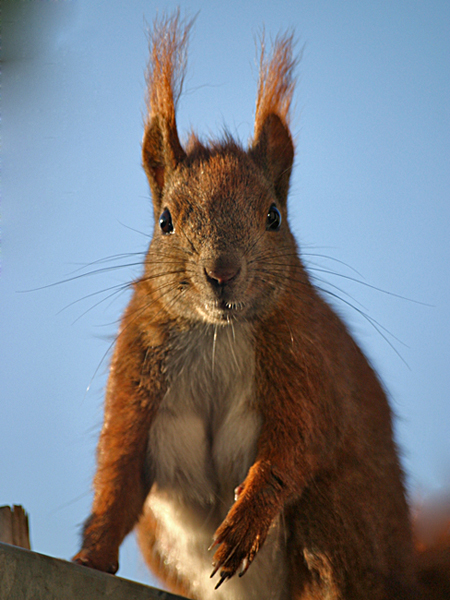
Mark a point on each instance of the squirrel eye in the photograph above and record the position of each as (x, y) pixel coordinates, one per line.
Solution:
(273, 219)
(165, 222)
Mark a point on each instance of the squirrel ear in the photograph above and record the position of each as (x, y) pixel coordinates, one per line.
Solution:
(273, 149)
(161, 153)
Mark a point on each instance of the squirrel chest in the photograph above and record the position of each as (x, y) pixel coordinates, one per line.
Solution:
(206, 430)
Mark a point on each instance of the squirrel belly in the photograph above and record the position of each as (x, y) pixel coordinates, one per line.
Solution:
(202, 444)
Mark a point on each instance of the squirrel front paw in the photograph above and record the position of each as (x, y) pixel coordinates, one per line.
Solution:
(101, 562)
(239, 539)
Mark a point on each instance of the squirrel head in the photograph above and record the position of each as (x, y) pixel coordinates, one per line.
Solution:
(221, 247)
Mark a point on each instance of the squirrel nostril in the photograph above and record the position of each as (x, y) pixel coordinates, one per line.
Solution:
(221, 275)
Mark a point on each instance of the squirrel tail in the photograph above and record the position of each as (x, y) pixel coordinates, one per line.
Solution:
(432, 542)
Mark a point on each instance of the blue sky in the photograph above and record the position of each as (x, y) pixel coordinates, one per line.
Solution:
(370, 188)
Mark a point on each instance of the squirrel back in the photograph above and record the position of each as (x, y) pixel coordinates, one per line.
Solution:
(239, 409)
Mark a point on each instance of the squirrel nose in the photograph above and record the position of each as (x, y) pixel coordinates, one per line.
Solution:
(221, 276)
(222, 271)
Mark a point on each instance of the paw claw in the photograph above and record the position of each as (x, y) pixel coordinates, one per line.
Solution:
(245, 565)
(223, 577)
(216, 568)
(85, 559)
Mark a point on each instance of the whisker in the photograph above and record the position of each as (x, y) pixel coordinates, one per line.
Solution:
(232, 343)
(279, 271)
(135, 230)
(76, 277)
(190, 242)
(117, 293)
(108, 259)
(373, 287)
(214, 347)
(118, 288)
(269, 257)
(377, 326)
(336, 260)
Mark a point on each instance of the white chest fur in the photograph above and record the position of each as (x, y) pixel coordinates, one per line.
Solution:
(201, 446)
(203, 440)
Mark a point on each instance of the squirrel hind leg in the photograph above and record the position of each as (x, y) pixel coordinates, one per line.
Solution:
(322, 562)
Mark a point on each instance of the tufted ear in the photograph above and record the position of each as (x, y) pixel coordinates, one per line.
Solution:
(273, 150)
(161, 154)
(161, 148)
(272, 145)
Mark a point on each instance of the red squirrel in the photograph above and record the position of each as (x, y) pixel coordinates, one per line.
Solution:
(245, 436)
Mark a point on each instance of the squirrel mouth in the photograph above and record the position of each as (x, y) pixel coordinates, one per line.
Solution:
(221, 311)
(232, 306)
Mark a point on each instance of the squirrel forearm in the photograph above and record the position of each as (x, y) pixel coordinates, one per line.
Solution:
(123, 477)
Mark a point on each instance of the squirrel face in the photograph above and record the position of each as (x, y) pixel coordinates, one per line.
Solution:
(221, 251)
(221, 242)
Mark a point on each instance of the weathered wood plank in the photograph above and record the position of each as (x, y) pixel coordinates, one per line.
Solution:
(26, 575)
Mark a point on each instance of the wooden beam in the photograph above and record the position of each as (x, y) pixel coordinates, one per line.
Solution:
(14, 526)
(25, 574)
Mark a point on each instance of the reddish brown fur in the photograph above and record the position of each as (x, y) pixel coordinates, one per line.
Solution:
(167, 66)
(326, 462)
(276, 82)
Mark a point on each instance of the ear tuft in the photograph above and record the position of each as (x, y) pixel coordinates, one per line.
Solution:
(272, 144)
(161, 148)
(276, 80)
